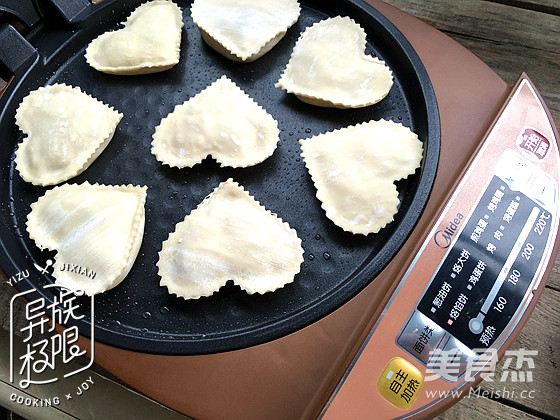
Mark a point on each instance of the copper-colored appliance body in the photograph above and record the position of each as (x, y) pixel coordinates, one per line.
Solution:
(293, 377)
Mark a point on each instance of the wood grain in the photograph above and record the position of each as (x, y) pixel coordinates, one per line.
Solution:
(473, 407)
(546, 6)
(508, 39)
(554, 279)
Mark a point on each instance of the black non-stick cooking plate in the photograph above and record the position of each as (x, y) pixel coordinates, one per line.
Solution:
(139, 314)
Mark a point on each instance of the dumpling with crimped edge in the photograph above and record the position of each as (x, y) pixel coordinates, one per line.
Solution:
(328, 67)
(66, 129)
(96, 231)
(149, 42)
(244, 30)
(229, 236)
(354, 170)
(221, 121)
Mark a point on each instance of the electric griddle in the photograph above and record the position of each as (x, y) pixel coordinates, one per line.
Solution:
(356, 337)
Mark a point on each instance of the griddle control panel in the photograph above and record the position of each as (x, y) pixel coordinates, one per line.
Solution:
(490, 264)
(472, 279)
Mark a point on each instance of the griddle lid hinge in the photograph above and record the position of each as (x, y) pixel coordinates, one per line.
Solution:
(72, 11)
(16, 53)
(24, 11)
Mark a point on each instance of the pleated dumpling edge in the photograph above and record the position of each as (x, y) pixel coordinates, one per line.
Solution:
(96, 231)
(229, 236)
(66, 129)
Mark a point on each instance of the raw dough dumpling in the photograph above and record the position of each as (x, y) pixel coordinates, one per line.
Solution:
(67, 130)
(354, 170)
(244, 30)
(328, 67)
(229, 236)
(150, 41)
(222, 121)
(95, 229)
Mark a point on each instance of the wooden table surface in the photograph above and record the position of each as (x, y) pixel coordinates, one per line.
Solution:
(512, 36)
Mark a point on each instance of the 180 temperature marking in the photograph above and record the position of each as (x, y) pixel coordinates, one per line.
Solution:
(514, 277)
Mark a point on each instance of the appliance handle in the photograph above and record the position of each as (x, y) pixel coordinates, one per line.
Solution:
(17, 55)
(72, 11)
(24, 11)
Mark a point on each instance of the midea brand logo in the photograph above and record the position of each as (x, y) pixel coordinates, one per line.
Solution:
(443, 237)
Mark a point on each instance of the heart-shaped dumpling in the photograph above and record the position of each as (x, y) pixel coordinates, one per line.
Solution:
(96, 231)
(244, 30)
(222, 121)
(229, 236)
(354, 170)
(328, 67)
(150, 41)
(66, 131)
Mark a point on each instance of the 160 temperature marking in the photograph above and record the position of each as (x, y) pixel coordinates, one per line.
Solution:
(500, 304)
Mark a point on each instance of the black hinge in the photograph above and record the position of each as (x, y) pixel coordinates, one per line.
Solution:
(23, 10)
(15, 50)
(72, 11)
